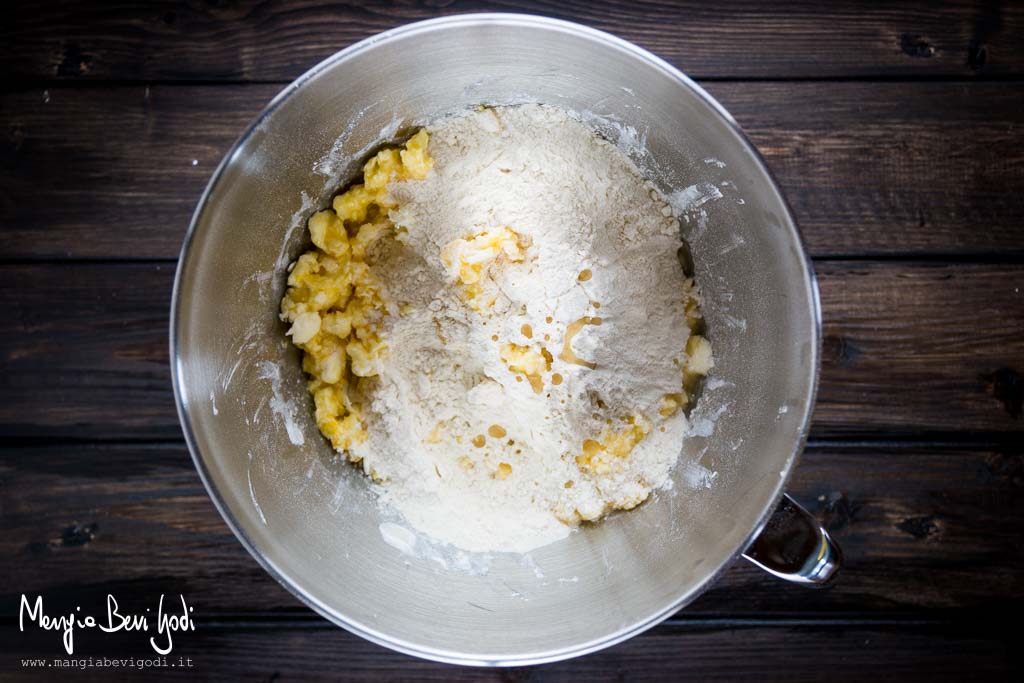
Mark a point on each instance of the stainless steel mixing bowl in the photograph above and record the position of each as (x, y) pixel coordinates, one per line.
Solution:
(314, 523)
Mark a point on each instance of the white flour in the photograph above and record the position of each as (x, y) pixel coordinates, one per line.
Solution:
(582, 207)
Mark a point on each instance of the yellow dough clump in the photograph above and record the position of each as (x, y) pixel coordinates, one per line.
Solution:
(468, 260)
(598, 455)
(529, 362)
(699, 357)
(333, 301)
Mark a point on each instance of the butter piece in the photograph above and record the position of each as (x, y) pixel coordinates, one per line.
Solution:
(333, 300)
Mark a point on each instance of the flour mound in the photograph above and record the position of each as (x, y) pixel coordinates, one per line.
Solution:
(482, 410)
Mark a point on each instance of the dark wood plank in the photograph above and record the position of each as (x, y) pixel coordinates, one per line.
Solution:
(708, 652)
(869, 168)
(741, 38)
(911, 348)
(908, 349)
(927, 533)
(893, 168)
(112, 172)
(97, 368)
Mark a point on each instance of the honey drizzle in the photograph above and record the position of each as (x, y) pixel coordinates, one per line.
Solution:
(571, 331)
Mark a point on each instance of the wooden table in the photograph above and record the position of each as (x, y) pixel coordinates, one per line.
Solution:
(896, 133)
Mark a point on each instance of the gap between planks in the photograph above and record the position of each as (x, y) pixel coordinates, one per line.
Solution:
(24, 85)
(1001, 258)
(882, 440)
(314, 621)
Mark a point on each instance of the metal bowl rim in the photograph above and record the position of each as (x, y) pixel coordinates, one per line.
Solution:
(180, 390)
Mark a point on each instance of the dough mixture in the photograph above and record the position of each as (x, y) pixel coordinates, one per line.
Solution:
(497, 327)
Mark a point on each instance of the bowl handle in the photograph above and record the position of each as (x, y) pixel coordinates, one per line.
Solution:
(794, 547)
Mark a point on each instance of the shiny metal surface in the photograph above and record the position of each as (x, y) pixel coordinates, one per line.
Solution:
(794, 547)
(313, 522)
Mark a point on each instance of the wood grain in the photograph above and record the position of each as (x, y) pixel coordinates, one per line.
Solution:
(870, 169)
(704, 652)
(896, 133)
(908, 348)
(96, 367)
(738, 39)
(927, 533)
(911, 348)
